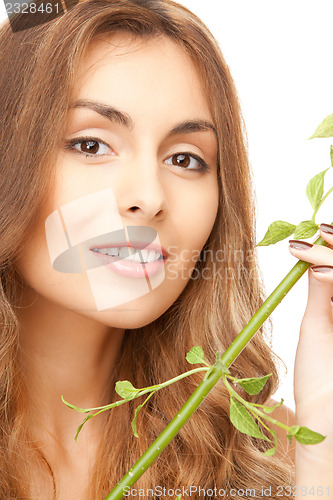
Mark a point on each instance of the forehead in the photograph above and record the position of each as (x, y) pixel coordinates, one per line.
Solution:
(141, 73)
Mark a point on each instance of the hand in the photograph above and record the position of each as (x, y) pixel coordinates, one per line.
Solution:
(314, 359)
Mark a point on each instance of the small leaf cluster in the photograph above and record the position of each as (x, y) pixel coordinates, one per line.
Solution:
(279, 230)
(247, 416)
(126, 390)
(244, 415)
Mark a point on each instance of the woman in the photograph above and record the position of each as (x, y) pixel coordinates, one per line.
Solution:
(121, 129)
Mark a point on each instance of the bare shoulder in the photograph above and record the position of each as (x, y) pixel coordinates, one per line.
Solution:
(286, 416)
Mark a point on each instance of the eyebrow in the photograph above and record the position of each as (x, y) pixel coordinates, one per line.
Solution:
(116, 116)
(188, 127)
(108, 112)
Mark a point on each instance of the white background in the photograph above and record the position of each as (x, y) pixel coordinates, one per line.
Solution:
(280, 55)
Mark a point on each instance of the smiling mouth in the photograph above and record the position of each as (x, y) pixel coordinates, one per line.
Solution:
(134, 246)
(138, 260)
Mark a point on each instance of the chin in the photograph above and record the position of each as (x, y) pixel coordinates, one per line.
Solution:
(127, 319)
(133, 315)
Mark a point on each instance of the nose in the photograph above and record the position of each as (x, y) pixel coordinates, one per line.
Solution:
(140, 192)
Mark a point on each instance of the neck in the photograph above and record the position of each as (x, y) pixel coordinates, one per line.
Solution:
(64, 353)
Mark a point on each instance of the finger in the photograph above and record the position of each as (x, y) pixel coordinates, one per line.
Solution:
(323, 273)
(315, 254)
(319, 309)
(326, 232)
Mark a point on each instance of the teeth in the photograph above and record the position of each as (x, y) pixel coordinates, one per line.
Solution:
(113, 251)
(144, 255)
(103, 251)
(131, 254)
(153, 256)
(123, 252)
(135, 257)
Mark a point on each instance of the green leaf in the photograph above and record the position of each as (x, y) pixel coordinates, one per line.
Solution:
(179, 497)
(331, 153)
(196, 355)
(277, 231)
(293, 430)
(270, 409)
(325, 129)
(137, 409)
(271, 451)
(125, 389)
(70, 405)
(304, 435)
(305, 229)
(243, 421)
(81, 425)
(252, 385)
(133, 423)
(289, 438)
(315, 189)
(73, 407)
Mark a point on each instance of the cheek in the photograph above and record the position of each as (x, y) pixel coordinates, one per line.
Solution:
(34, 265)
(201, 213)
(194, 219)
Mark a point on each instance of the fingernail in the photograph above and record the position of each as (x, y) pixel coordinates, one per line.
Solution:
(300, 245)
(322, 269)
(326, 228)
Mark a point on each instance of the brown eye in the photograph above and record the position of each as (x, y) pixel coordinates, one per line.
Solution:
(89, 147)
(188, 161)
(181, 160)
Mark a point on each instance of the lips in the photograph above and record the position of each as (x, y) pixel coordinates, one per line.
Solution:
(132, 251)
(134, 259)
(141, 264)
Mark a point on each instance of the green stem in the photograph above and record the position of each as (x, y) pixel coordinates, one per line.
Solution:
(141, 392)
(211, 378)
(175, 379)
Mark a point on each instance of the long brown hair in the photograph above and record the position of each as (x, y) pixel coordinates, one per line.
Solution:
(38, 68)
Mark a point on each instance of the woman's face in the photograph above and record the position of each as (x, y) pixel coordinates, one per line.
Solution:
(136, 192)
